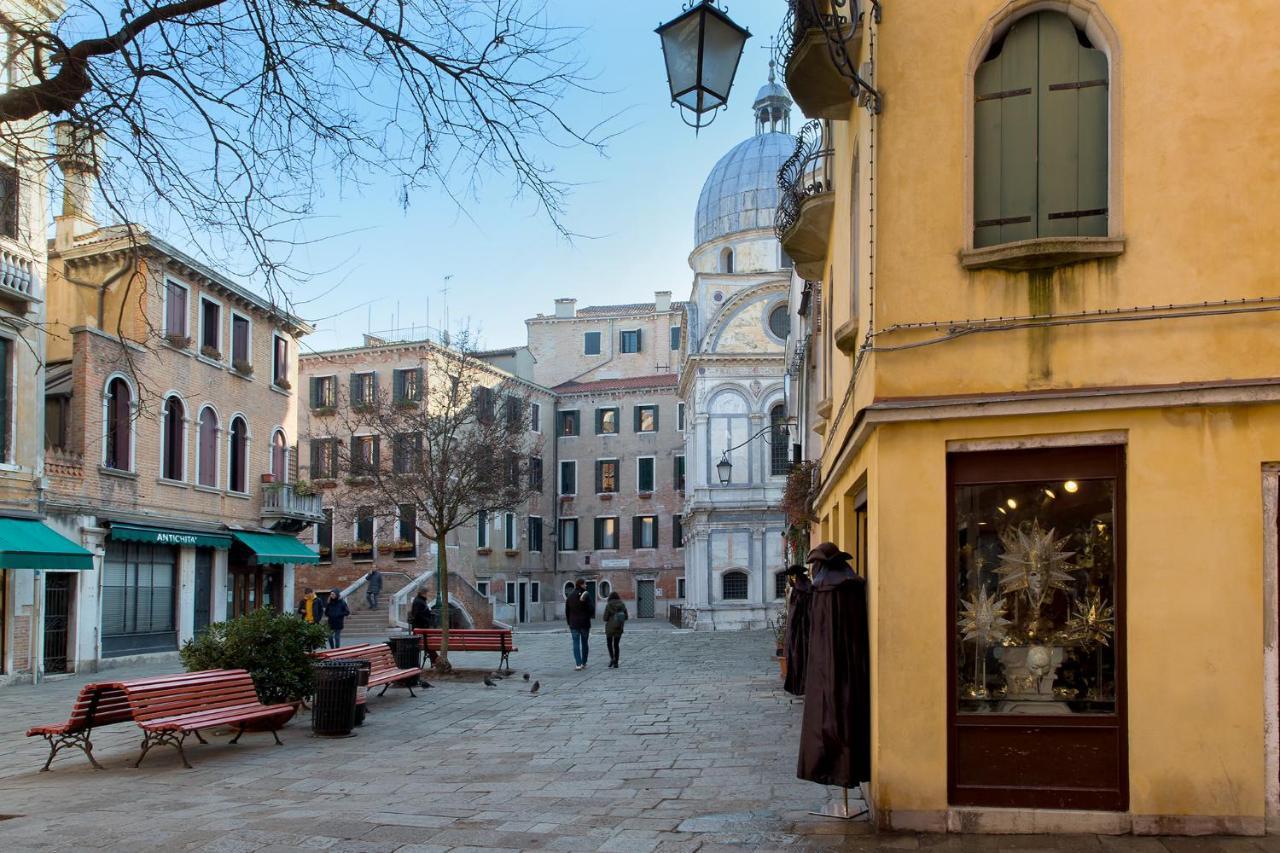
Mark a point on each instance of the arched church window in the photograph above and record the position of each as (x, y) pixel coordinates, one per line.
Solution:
(780, 321)
(726, 260)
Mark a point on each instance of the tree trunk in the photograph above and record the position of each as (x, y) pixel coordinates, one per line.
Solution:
(442, 585)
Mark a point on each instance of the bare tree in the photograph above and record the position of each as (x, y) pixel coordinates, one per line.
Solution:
(219, 115)
(451, 439)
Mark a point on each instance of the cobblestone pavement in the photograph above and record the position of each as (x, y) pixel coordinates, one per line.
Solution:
(689, 746)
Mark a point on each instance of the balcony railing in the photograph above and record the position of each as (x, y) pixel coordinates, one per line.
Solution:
(806, 181)
(281, 503)
(17, 273)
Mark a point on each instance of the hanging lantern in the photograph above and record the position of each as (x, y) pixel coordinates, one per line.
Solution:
(724, 470)
(702, 48)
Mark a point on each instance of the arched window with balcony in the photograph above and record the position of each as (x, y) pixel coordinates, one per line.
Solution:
(207, 448)
(237, 456)
(1041, 133)
(174, 439)
(279, 457)
(118, 426)
(733, 586)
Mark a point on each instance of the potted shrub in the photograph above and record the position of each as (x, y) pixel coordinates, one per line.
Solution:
(242, 367)
(283, 383)
(304, 489)
(343, 549)
(268, 478)
(273, 647)
(211, 352)
(178, 341)
(402, 547)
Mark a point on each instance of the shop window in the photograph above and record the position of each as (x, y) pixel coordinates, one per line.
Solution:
(607, 421)
(646, 418)
(207, 448)
(139, 597)
(568, 423)
(238, 456)
(118, 443)
(644, 474)
(279, 457)
(175, 439)
(606, 533)
(1040, 134)
(9, 201)
(629, 341)
(644, 532)
(606, 476)
(568, 530)
(591, 343)
(535, 533)
(779, 442)
(734, 586)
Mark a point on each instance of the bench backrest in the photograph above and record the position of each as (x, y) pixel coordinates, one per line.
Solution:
(170, 696)
(377, 654)
(475, 639)
(99, 705)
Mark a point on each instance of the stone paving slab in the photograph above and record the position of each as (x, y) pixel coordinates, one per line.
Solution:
(690, 746)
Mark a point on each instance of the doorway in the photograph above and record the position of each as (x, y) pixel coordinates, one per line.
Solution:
(202, 612)
(57, 620)
(522, 602)
(252, 587)
(644, 599)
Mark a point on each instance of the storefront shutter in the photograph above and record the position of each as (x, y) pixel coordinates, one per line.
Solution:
(1004, 139)
(1072, 92)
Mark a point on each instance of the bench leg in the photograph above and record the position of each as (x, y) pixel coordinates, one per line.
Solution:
(505, 660)
(198, 736)
(80, 740)
(384, 689)
(277, 737)
(236, 739)
(174, 739)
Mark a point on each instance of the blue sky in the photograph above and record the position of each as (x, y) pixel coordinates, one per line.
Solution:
(636, 205)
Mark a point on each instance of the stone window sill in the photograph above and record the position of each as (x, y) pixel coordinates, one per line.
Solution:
(116, 472)
(846, 336)
(1041, 253)
(177, 484)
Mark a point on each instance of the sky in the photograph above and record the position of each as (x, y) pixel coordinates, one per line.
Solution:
(386, 268)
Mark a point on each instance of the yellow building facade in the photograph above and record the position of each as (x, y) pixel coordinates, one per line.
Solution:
(1042, 391)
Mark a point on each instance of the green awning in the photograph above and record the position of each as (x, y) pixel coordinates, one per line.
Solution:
(169, 536)
(28, 544)
(276, 548)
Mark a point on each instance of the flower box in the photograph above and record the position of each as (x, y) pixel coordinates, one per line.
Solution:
(644, 496)
(178, 341)
(605, 496)
(211, 352)
(283, 384)
(244, 368)
(512, 552)
(484, 552)
(324, 411)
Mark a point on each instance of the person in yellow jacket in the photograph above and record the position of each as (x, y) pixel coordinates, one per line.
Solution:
(310, 608)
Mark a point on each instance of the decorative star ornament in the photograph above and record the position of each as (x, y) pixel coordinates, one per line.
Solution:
(1092, 622)
(1033, 563)
(983, 618)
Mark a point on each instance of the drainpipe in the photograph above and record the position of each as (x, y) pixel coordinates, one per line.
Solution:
(555, 491)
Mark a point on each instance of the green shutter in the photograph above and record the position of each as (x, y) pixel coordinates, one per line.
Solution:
(635, 531)
(1005, 139)
(375, 453)
(397, 385)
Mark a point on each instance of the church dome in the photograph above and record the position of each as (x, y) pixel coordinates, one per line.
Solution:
(741, 193)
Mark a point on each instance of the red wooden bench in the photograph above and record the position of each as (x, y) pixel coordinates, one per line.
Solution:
(383, 669)
(170, 708)
(97, 705)
(473, 640)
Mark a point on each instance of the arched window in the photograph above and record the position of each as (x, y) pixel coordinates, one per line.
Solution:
(568, 589)
(779, 442)
(237, 476)
(605, 589)
(780, 585)
(207, 449)
(780, 320)
(279, 457)
(726, 260)
(1040, 139)
(174, 442)
(118, 439)
(734, 586)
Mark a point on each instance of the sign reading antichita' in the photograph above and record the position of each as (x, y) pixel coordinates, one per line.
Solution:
(176, 539)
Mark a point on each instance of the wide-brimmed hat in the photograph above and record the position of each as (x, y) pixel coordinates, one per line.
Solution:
(796, 570)
(826, 551)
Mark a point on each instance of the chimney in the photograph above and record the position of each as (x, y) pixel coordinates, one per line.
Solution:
(566, 308)
(662, 301)
(78, 150)
(374, 340)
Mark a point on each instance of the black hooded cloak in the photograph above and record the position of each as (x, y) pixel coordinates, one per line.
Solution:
(835, 737)
(796, 641)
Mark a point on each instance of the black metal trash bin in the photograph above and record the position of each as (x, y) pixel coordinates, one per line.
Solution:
(333, 711)
(407, 652)
(362, 688)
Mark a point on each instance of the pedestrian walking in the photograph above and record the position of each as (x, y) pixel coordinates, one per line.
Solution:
(615, 616)
(336, 611)
(372, 588)
(310, 607)
(579, 608)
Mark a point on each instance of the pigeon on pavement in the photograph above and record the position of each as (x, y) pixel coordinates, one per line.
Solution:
(526, 676)
(534, 688)
(489, 682)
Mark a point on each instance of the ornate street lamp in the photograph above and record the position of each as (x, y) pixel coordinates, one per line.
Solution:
(702, 48)
(724, 468)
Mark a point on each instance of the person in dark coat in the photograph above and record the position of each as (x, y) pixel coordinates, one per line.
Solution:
(372, 588)
(311, 606)
(796, 639)
(615, 616)
(835, 733)
(579, 608)
(336, 611)
(421, 616)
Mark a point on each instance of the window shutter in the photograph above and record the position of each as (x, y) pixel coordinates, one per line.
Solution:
(655, 531)
(1004, 139)
(639, 344)
(354, 389)
(599, 477)
(397, 384)
(317, 448)
(635, 531)
(373, 388)
(1072, 92)
(635, 417)
(375, 453)
(656, 409)
(355, 455)
(315, 392)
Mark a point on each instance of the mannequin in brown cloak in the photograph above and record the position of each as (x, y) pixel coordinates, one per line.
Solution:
(797, 637)
(835, 736)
